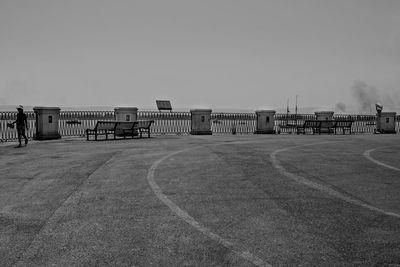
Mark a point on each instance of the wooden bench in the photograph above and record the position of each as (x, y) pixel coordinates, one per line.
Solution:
(325, 126)
(120, 128)
(309, 124)
(343, 124)
(102, 128)
(125, 128)
(143, 126)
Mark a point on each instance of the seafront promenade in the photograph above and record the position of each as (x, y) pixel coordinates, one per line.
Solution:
(74, 123)
(219, 200)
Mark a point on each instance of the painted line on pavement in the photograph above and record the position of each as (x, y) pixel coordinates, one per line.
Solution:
(300, 179)
(190, 220)
(367, 154)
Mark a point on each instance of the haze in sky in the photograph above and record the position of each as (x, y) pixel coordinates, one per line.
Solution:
(247, 54)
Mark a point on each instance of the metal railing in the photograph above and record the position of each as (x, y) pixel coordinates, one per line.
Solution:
(240, 123)
(361, 123)
(75, 123)
(8, 134)
(287, 123)
(167, 122)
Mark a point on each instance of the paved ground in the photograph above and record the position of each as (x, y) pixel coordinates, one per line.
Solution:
(280, 200)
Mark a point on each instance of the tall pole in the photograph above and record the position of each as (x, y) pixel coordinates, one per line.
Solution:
(287, 112)
(296, 112)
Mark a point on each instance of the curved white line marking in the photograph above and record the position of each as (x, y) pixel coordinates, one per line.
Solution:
(191, 221)
(367, 154)
(276, 163)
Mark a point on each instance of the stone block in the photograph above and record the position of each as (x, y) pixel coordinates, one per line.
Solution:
(200, 122)
(47, 119)
(265, 122)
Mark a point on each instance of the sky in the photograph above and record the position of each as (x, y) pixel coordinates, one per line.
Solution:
(218, 54)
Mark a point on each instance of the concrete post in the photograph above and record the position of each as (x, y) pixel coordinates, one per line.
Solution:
(324, 115)
(201, 121)
(265, 122)
(386, 122)
(125, 113)
(47, 123)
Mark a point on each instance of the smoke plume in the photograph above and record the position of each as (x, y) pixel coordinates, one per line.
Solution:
(366, 95)
(340, 107)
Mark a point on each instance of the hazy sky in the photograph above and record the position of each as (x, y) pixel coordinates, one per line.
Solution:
(213, 53)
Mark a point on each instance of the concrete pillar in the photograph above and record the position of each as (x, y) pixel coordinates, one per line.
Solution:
(324, 115)
(47, 123)
(201, 121)
(265, 122)
(386, 122)
(125, 113)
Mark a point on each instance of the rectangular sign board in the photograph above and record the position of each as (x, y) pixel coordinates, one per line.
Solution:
(164, 105)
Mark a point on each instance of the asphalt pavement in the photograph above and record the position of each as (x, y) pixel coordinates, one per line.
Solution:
(220, 200)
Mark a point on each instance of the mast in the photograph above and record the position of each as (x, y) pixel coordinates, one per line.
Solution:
(287, 112)
(295, 116)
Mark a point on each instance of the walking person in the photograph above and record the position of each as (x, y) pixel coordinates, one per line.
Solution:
(22, 123)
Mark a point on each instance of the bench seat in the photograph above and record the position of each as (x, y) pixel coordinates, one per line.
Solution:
(125, 128)
(117, 128)
(344, 125)
(309, 124)
(143, 126)
(325, 126)
(102, 128)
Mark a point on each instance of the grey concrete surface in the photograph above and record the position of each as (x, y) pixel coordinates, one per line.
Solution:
(76, 203)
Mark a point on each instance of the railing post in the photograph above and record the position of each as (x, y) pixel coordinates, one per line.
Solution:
(265, 122)
(47, 123)
(200, 122)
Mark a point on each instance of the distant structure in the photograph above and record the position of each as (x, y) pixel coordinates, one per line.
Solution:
(385, 121)
(164, 105)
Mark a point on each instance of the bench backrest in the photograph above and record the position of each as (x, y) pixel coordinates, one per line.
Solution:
(311, 124)
(125, 125)
(144, 123)
(105, 125)
(343, 123)
(327, 124)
